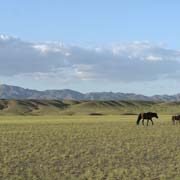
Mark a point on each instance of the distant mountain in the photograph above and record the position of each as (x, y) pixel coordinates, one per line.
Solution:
(15, 92)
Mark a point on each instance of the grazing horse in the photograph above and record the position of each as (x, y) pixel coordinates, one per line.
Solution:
(176, 118)
(148, 116)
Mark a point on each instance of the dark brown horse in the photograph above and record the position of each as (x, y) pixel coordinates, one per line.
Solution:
(148, 116)
(176, 119)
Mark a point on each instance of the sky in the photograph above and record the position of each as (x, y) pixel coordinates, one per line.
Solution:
(91, 45)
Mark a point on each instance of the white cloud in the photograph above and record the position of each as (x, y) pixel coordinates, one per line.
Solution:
(154, 58)
(131, 62)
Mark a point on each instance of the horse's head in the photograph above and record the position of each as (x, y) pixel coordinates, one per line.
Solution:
(155, 115)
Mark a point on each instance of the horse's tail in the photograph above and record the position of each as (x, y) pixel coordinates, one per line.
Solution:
(138, 119)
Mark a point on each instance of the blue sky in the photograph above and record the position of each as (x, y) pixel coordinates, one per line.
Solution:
(92, 21)
(91, 43)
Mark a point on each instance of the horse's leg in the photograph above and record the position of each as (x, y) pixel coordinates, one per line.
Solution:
(152, 122)
(143, 122)
(147, 122)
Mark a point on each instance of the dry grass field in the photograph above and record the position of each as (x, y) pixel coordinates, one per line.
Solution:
(88, 148)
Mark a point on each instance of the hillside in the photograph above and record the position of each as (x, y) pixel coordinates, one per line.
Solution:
(73, 107)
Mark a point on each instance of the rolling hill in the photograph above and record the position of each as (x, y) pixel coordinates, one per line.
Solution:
(74, 107)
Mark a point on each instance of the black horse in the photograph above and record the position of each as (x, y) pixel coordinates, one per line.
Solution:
(148, 116)
(175, 119)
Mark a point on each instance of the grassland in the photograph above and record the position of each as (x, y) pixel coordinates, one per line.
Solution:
(88, 148)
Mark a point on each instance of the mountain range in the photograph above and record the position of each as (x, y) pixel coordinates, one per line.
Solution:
(15, 92)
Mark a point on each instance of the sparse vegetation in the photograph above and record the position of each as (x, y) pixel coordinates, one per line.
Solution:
(88, 147)
(73, 107)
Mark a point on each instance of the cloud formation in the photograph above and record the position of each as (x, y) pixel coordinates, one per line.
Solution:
(131, 62)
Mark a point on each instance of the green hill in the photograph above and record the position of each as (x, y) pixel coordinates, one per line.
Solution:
(73, 107)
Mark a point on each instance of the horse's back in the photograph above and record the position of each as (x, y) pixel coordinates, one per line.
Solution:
(176, 117)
